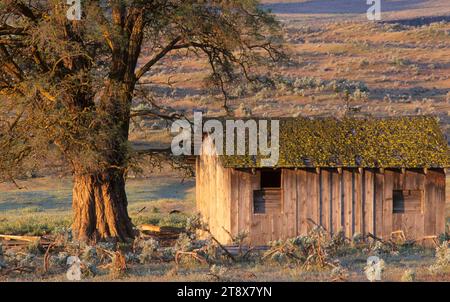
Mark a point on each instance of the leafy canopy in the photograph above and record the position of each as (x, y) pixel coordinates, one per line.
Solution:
(67, 86)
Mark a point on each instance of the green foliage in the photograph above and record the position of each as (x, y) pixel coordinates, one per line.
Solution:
(174, 220)
(177, 220)
(34, 226)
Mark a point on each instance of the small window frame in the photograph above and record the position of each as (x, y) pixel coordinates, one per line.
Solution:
(408, 201)
(261, 191)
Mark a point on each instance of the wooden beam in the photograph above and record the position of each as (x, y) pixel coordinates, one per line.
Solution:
(21, 238)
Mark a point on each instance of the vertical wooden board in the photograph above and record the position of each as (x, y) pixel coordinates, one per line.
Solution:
(277, 226)
(397, 221)
(419, 228)
(411, 180)
(243, 183)
(302, 202)
(197, 185)
(309, 201)
(264, 229)
(234, 202)
(419, 184)
(219, 219)
(407, 225)
(255, 179)
(429, 205)
(440, 214)
(255, 232)
(317, 193)
(369, 181)
(215, 228)
(347, 201)
(260, 229)
(253, 182)
(208, 196)
(397, 183)
(289, 196)
(273, 228)
(336, 202)
(217, 202)
(325, 199)
(379, 190)
(358, 210)
(227, 201)
(258, 233)
(206, 189)
(200, 191)
(211, 197)
(414, 225)
(312, 199)
(388, 203)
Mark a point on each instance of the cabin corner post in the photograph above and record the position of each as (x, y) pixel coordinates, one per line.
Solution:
(443, 201)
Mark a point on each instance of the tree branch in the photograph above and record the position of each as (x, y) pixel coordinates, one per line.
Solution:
(6, 30)
(171, 46)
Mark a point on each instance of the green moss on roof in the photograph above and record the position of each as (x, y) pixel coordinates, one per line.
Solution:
(404, 142)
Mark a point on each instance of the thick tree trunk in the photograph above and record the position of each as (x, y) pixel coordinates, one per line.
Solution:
(100, 207)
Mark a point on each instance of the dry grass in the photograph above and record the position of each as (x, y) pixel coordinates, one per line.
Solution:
(45, 205)
(406, 68)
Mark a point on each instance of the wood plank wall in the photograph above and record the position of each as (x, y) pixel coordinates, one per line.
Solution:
(214, 195)
(355, 201)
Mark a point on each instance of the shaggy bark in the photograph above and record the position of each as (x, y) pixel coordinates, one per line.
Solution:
(100, 207)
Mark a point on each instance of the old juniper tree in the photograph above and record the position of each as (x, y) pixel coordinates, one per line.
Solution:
(67, 85)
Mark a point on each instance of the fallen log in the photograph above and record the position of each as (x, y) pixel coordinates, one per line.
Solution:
(433, 239)
(24, 241)
(160, 229)
(21, 238)
(400, 234)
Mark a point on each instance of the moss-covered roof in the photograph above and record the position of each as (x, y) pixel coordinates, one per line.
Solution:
(403, 142)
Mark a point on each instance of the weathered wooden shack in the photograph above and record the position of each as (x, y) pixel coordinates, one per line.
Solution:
(358, 175)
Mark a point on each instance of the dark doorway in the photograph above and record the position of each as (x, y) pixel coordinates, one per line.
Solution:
(271, 178)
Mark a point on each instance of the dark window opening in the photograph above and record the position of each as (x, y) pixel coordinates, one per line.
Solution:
(407, 201)
(271, 179)
(268, 198)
